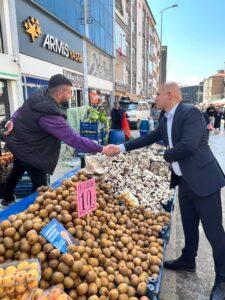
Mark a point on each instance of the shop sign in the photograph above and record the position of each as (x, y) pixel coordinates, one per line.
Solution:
(33, 28)
(86, 197)
(58, 236)
(76, 79)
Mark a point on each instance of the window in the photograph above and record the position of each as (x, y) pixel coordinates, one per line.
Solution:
(143, 43)
(119, 6)
(120, 39)
(128, 49)
(133, 55)
(99, 18)
(134, 84)
(128, 77)
(72, 13)
(101, 25)
(133, 26)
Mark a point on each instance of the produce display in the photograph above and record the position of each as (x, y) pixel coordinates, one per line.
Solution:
(143, 172)
(6, 160)
(19, 277)
(53, 293)
(93, 115)
(120, 246)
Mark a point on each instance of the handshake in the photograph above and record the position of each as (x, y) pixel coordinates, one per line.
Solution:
(111, 150)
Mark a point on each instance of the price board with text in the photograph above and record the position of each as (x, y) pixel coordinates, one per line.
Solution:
(86, 197)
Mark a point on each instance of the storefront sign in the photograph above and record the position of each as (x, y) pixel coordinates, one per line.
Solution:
(76, 79)
(58, 236)
(60, 47)
(86, 197)
(33, 28)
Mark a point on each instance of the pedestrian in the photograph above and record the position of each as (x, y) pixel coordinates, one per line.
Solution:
(217, 119)
(209, 126)
(117, 114)
(35, 132)
(192, 164)
(211, 111)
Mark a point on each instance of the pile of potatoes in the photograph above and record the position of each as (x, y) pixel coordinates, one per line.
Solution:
(119, 247)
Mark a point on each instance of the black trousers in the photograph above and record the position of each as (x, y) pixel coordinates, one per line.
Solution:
(38, 178)
(208, 210)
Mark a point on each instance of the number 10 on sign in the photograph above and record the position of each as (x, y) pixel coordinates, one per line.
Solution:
(86, 197)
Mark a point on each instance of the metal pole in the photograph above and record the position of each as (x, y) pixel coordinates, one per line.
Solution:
(160, 75)
(161, 12)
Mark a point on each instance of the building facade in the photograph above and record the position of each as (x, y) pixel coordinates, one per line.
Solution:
(10, 87)
(125, 47)
(135, 47)
(214, 87)
(156, 64)
(47, 47)
(39, 39)
(145, 49)
(192, 94)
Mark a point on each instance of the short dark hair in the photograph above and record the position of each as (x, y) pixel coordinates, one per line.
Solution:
(57, 80)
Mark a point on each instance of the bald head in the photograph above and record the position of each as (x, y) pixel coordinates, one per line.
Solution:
(168, 96)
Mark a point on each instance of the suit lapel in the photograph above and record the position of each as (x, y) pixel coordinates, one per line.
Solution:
(175, 119)
(164, 121)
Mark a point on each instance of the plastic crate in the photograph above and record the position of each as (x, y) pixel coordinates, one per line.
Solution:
(91, 136)
(154, 285)
(87, 126)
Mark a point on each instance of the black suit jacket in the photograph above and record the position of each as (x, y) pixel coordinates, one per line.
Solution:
(198, 165)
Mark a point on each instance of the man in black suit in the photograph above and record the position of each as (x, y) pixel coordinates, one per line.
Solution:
(199, 177)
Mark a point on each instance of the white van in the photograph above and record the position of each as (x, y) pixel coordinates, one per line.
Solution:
(136, 111)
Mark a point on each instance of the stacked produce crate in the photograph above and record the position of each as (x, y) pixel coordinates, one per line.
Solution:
(93, 132)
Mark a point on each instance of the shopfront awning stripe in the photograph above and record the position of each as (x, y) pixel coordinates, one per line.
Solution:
(9, 74)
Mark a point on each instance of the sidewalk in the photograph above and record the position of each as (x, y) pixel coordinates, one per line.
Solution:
(192, 286)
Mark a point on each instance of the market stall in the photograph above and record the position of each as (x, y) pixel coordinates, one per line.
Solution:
(114, 248)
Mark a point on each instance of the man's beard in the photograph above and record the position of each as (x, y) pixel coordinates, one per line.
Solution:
(65, 105)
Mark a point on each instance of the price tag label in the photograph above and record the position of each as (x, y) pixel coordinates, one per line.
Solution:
(86, 197)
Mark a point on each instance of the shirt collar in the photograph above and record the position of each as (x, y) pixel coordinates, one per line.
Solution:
(172, 111)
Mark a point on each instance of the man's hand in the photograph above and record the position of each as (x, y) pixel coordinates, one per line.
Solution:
(9, 125)
(111, 150)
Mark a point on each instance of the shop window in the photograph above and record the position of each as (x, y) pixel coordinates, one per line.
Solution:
(31, 84)
(4, 102)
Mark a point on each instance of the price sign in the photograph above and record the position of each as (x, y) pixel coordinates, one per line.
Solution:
(86, 197)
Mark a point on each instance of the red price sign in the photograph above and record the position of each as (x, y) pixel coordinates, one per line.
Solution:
(86, 197)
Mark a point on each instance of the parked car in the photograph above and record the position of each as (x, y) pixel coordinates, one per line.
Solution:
(136, 111)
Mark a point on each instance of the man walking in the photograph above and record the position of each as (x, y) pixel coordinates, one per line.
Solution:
(35, 133)
(183, 130)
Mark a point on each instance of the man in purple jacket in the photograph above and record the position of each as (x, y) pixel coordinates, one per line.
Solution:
(35, 132)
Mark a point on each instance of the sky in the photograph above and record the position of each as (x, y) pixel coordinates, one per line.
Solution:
(195, 35)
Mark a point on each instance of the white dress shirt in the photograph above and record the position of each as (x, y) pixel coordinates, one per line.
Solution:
(169, 115)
